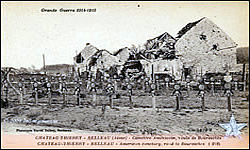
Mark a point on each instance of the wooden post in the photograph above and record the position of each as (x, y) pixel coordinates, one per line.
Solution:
(44, 67)
(172, 71)
(228, 94)
(177, 95)
(212, 89)
(21, 98)
(64, 98)
(115, 85)
(157, 85)
(35, 90)
(244, 77)
(188, 89)
(202, 96)
(78, 98)
(129, 88)
(8, 77)
(130, 101)
(201, 72)
(152, 72)
(111, 101)
(178, 102)
(229, 101)
(167, 80)
(6, 89)
(50, 97)
(212, 83)
(94, 99)
(64, 89)
(235, 85)
(20, 85)
(203, 103)
(24, 89)
(36, 97)
(196, 72)
(144, 85)
(103, 108)
(153, 102)
(167, 88)
(153, 87)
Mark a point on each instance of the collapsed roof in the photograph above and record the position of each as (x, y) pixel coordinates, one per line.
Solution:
(157, 42)
(187, 28)
(100, 54)
(160, 47)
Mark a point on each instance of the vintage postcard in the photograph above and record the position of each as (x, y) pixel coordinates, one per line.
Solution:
(125, 74)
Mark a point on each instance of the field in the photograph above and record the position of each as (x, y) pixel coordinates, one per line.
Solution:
(141, 119)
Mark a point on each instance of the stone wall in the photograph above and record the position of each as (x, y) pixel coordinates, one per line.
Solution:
(206, 46)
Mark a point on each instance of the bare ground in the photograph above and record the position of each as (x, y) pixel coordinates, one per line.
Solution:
(141, 119)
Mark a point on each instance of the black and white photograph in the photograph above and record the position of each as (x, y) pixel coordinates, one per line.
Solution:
(125, 71)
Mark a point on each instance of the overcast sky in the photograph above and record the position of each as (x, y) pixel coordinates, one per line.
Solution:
(27, 33)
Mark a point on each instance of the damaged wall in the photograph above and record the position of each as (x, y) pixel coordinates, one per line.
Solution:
(122, 55)
(166, 66)
(206, 45)
(86, 54)
(105, 61)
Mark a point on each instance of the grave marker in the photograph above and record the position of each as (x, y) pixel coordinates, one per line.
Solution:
(129, 87)
(35, 89)
(20, 85)
(153, 87)
(202, 96)
(228, 93)
(177, 94)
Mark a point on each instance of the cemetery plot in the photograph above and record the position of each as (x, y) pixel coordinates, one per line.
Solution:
(111, 105)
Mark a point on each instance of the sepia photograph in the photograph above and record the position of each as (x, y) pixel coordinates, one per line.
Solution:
(125, 74)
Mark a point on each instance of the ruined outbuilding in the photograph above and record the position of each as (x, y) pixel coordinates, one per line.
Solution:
(204, 47)
(81, 61)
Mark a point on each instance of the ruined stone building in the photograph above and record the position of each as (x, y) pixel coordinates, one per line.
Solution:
(203, 47)
(91, 59)
(200, 47)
